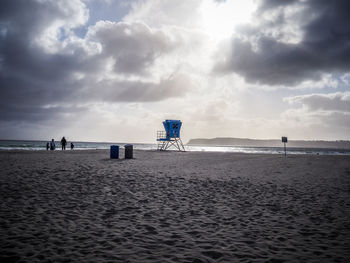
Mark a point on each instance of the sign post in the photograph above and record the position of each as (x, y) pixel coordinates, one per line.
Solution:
(285, 140)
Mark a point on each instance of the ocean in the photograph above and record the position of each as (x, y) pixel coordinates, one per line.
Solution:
(41, 145)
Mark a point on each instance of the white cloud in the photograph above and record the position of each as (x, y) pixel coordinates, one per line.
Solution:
(339, 101)
(67, 16)
(327, 115)
(162, 13)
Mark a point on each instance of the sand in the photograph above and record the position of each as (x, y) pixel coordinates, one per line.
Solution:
(81, 206)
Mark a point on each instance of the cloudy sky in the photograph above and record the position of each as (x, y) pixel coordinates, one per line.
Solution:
(113, 70)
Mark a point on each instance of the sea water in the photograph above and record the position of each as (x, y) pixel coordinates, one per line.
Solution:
(41, 145)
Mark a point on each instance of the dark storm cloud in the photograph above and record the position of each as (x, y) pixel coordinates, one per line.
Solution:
(35, 113)
(324, 47)
(29, 77)
(134, 47)
(32, 78)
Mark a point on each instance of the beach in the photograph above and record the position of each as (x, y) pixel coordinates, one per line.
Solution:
(82, 206)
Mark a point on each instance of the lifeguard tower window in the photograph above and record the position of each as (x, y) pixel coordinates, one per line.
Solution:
(171, 136)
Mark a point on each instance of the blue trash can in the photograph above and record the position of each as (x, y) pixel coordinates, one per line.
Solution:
(128, 151)
(114, 152)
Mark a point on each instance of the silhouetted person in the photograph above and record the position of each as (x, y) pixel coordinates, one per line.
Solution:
(47, 146)
(71, 146)
(64, 143)
(52, 145)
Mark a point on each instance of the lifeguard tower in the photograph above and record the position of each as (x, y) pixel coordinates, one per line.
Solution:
(171, 136)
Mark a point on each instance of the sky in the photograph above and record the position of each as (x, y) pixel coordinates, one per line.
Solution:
(113, 70)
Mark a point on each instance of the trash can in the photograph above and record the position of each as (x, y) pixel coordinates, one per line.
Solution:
(114, 152)
(128, 151)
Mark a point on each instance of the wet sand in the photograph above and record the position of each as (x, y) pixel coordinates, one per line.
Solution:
(81, 206)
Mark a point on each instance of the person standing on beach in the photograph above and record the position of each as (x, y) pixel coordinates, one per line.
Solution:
(47, 146)
(63, 143)
(71, 146)
(52, 145)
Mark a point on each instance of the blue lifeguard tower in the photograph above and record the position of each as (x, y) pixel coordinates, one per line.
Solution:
(171, 136)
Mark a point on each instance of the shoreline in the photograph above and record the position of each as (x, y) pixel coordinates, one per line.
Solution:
(296, 152)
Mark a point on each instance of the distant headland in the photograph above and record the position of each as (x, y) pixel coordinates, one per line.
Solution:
(269, 143)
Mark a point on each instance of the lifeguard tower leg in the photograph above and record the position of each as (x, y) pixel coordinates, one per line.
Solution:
(183, 147)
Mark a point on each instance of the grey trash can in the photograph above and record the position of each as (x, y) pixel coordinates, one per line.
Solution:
(114, 152)
(128, 151)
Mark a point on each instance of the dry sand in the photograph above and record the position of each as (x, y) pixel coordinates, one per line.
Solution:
(80, 206)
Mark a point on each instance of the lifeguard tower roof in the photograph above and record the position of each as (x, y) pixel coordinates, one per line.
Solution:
(172, 128)
(171, 135)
